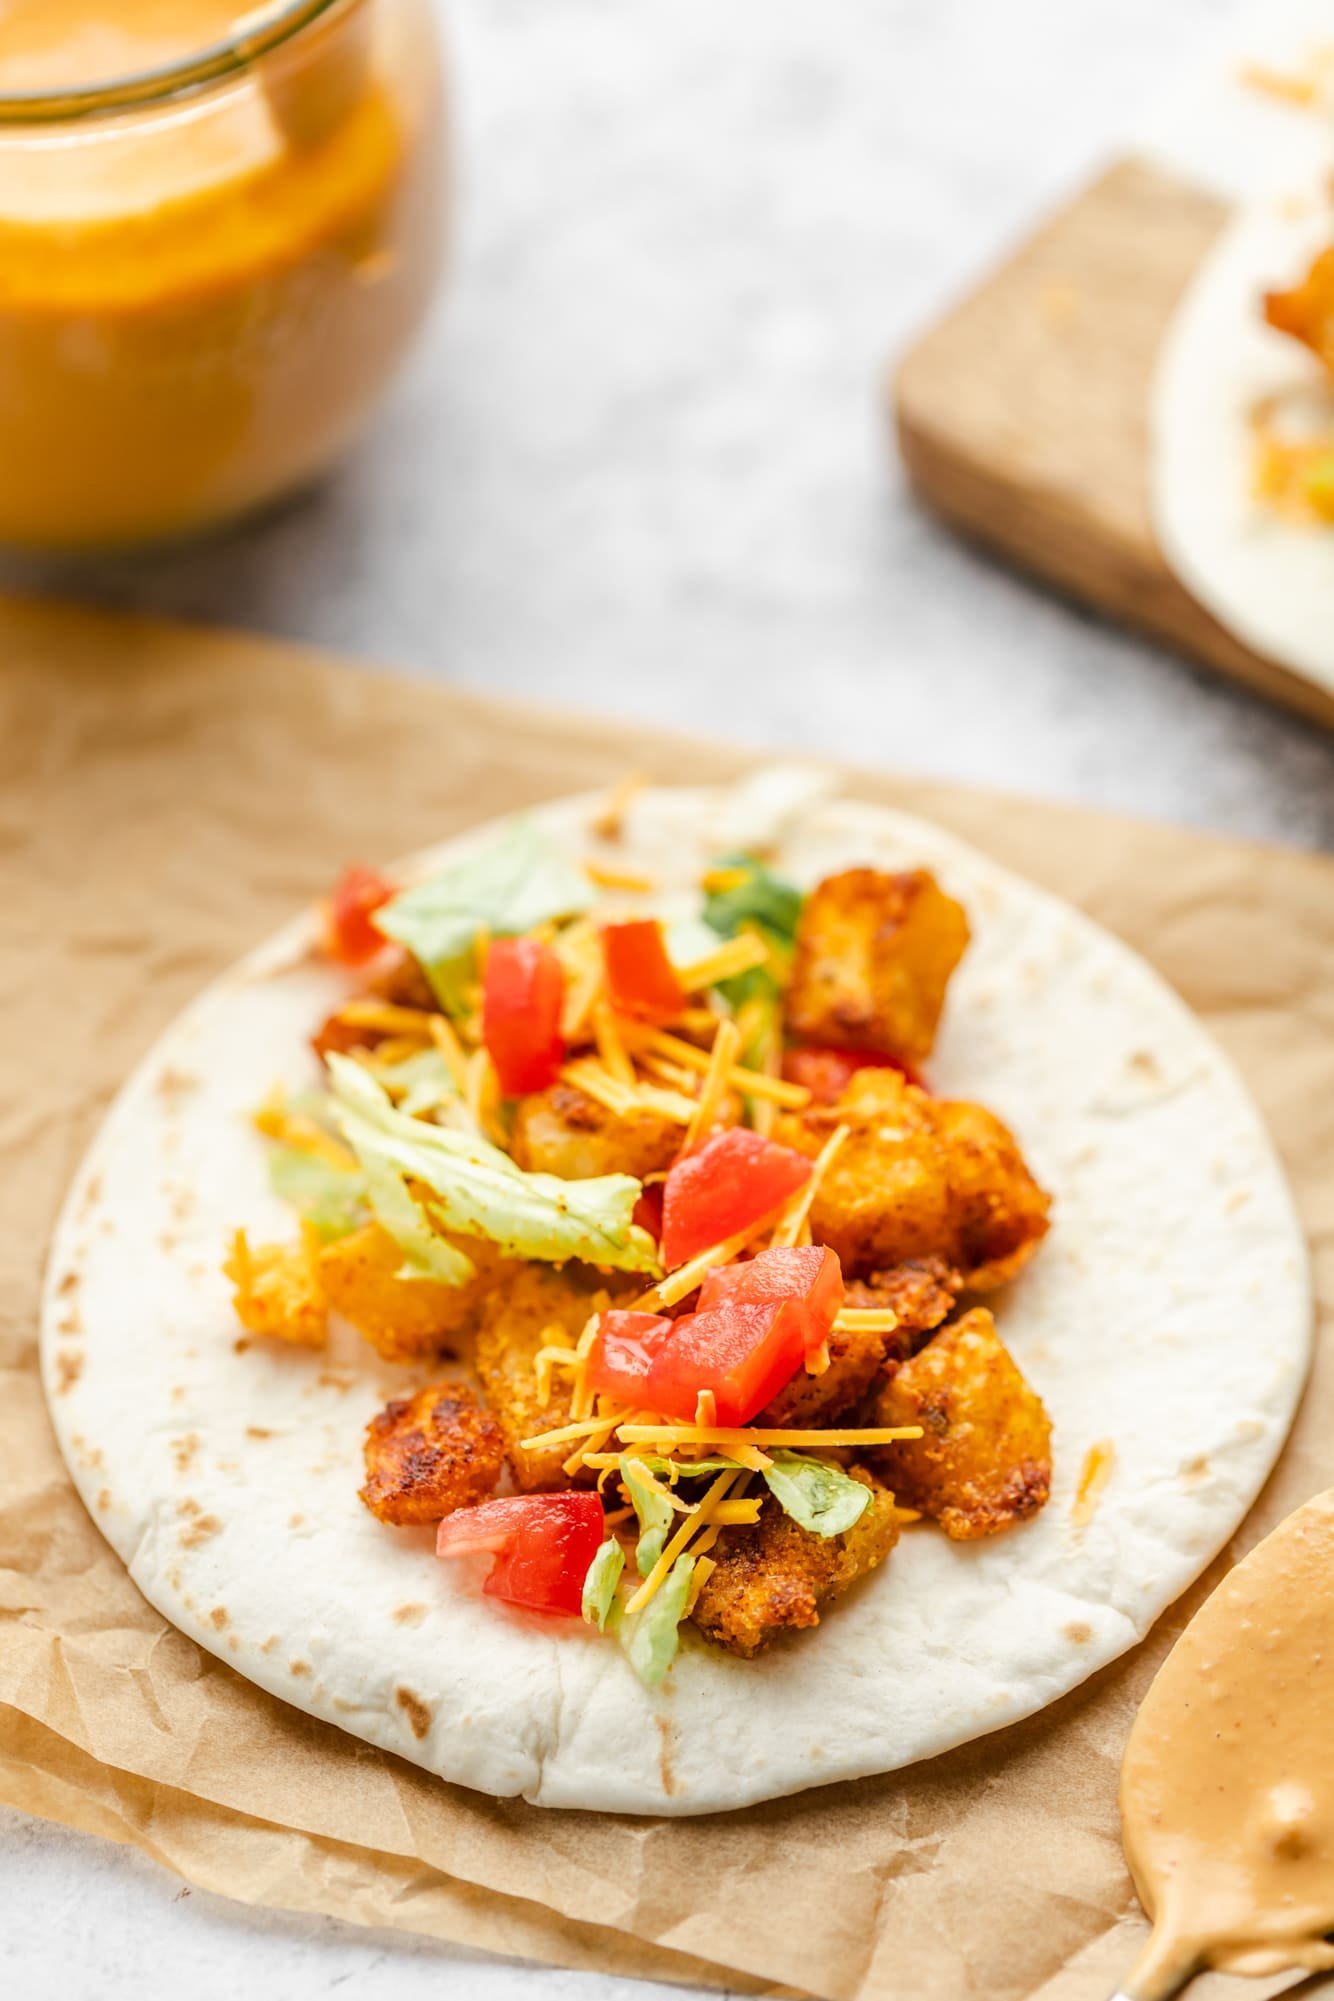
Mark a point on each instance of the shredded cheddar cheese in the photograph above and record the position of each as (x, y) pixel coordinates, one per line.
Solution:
(726, 1437)
(611, 1048)
(750, 1083)
(619, 878)
(706, 1409)
(701, 1518)
(738, 955)
(789, 1232)
(866, 1320)
(589, 1076)
(609, 820)
(726, 1044)
(447, 1042)
(718, 881)
(387, 1017)
(304, 1134)
(678, 1283)
(704, 1569)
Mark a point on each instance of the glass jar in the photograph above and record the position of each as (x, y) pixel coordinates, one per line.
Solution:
(211, 264)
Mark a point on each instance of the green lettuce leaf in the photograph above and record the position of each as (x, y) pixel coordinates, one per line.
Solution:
(332, 1198)
(818, 1496)
(427, 1178)
(689, 1469)
(521, 880)
(652, 1636)
(604, 1574)
(653, 1510)
(419, 1083)
(763, 900)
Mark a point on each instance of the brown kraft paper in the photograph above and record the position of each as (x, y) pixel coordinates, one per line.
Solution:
(167, 797)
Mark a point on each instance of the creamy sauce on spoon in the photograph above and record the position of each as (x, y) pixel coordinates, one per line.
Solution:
(1227, 1787)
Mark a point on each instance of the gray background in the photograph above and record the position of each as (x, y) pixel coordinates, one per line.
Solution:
(640, 465)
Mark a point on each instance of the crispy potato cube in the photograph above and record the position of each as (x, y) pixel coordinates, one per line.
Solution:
(403, 1318)
(521, 1317)
(778, 1578)
(429, 1454)
(1000, 1213)
(984, 1459)
(277, 1291)
(561, 1131)
(874, 956)
(921, 1294)
(1306, 311)
(919, 1177)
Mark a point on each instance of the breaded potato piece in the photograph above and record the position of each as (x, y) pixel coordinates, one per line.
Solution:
(515, 1326)
(403, 1318)
(1306, 310)
(560, 1131)
(777, 1578)
(984, 1459)
(920, 1177)
(429, 1454)
(874, 956)
(920, 1293)
(276, 1291)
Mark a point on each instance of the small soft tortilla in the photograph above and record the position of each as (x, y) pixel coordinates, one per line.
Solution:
(1269, 580)
(1168, 1316)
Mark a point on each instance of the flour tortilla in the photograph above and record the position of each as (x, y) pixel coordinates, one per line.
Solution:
(1168, 1314)
(1270, 581)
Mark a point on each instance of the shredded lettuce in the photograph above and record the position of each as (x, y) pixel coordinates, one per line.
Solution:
(424, 1179)
(818, 1496)
(763, 901)
(653, 1510)
(604, 1574)
(331, 1198)
(652, 1636)
(519, 881)
(690, 1469)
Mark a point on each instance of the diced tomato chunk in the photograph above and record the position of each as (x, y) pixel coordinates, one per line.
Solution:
(349, 933)
(640, 977)
(826, 1073)
(731, 1181)
(742, 1350)
(523, 992)
(623, 1351)
(810, 1277)
(543, 1545)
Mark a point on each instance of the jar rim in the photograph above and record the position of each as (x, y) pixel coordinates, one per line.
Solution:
(214, 64)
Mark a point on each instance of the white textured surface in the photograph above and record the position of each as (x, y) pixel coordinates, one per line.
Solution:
(639, 464)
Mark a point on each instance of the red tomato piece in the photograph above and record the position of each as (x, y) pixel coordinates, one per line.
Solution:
(733, 1180)
(623, 1351)
(543, 1545)
(826, 1073)
(640, 977)
(523, 992)
(350, 935)
(742, 1350)
(810, 1277)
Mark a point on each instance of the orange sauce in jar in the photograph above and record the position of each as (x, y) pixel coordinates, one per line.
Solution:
(218, 233)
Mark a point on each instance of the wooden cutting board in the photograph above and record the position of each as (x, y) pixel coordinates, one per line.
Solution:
(1022, 415)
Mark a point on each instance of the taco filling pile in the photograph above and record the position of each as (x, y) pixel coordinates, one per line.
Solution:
(674, 1187)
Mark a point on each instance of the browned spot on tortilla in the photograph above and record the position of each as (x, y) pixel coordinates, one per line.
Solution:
(410, 1615)
(295, 1521)
(1094, 1475)
(665, 1770)
(69, 1283)
(267, 1646)
(417, 1712)
(180, 1200)
(167, 1243)
(1079, 1632)
(178, 1392)
(1145, 1064)
(336, 1379)
(68, 1370)
(1237, 1200)
(173, 1085)
(347, 1708)
(240, 1347)
(1196, 1468)
(92, 1194)
(258, 1431)
(233, 1642)
(299, 1668)
(218, 1617)
(104, 1499)
(183, 1450)
(199, 1531)
(70, 1325)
